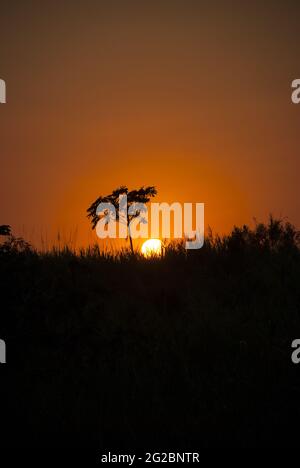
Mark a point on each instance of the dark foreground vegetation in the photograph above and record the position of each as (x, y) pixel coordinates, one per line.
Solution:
(189, 351)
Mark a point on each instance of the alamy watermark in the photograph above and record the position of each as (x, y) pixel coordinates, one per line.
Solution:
(2, 92)
(296, 353)
(2, 352)
(114, 223)
(296, 93)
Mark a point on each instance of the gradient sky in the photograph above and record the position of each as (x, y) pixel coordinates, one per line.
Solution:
(191, 96)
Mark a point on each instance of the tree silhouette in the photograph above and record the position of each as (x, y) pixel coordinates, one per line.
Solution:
(142, 195)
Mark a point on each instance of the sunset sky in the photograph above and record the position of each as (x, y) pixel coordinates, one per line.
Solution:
(193, 97)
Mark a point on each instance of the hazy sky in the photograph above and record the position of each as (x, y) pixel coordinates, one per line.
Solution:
(191, 96)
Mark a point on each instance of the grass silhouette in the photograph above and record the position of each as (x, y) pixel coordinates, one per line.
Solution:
(190, 350)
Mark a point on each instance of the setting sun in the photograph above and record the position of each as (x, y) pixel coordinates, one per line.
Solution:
(151, 247)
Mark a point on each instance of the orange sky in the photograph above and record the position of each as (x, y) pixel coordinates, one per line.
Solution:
(191, 96)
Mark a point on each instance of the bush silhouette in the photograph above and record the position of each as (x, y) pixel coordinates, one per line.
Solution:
(4, 230)
(189, 350)
(12, 244)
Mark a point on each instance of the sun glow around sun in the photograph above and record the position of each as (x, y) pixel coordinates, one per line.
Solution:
(152, 247)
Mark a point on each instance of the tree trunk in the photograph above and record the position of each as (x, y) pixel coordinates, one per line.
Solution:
(130, 238)
(131, 245)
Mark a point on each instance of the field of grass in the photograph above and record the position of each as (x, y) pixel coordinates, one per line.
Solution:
(187, 351)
